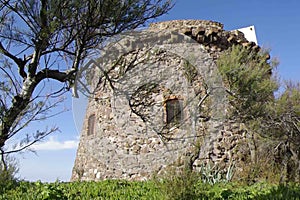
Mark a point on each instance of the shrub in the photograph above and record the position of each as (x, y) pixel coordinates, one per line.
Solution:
(8, 170)
(179, 185)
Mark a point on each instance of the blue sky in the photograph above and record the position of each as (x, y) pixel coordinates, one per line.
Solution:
(277, 26)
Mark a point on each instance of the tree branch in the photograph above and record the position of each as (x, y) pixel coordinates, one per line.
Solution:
(55, 74)
(21, 63)
(32, 142)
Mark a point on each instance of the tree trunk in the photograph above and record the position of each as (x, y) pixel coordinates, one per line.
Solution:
(19, 104)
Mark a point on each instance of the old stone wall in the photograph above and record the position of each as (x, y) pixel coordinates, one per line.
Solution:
(127, 133)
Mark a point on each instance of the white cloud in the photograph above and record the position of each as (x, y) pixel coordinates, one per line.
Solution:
(53, 145)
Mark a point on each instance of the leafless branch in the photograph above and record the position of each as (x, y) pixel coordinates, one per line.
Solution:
(45, 134)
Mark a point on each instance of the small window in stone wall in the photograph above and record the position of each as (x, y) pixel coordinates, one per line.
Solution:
(173, 111)
(91, 124)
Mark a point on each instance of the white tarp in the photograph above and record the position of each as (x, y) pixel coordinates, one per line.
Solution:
(249, 33)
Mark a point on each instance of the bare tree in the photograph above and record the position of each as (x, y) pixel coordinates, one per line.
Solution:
(283, 126)
(49, 40)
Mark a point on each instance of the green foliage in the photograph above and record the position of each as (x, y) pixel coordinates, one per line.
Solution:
(249, 83)
(125, 190)
(110, 189)
(276, 118)
(51, 191)
(286, 110)
(187, 184)
(283, 125)
(8, 170)
(113, 189)
(179, 185)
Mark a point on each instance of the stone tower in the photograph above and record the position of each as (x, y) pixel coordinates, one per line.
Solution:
(159, 102)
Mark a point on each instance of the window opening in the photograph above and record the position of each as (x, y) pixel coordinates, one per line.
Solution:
(173, 111)
(91, 124)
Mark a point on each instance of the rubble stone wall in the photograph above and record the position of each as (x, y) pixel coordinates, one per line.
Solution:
(131, 137)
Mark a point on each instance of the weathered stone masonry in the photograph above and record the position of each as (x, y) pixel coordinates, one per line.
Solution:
(160, 102)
